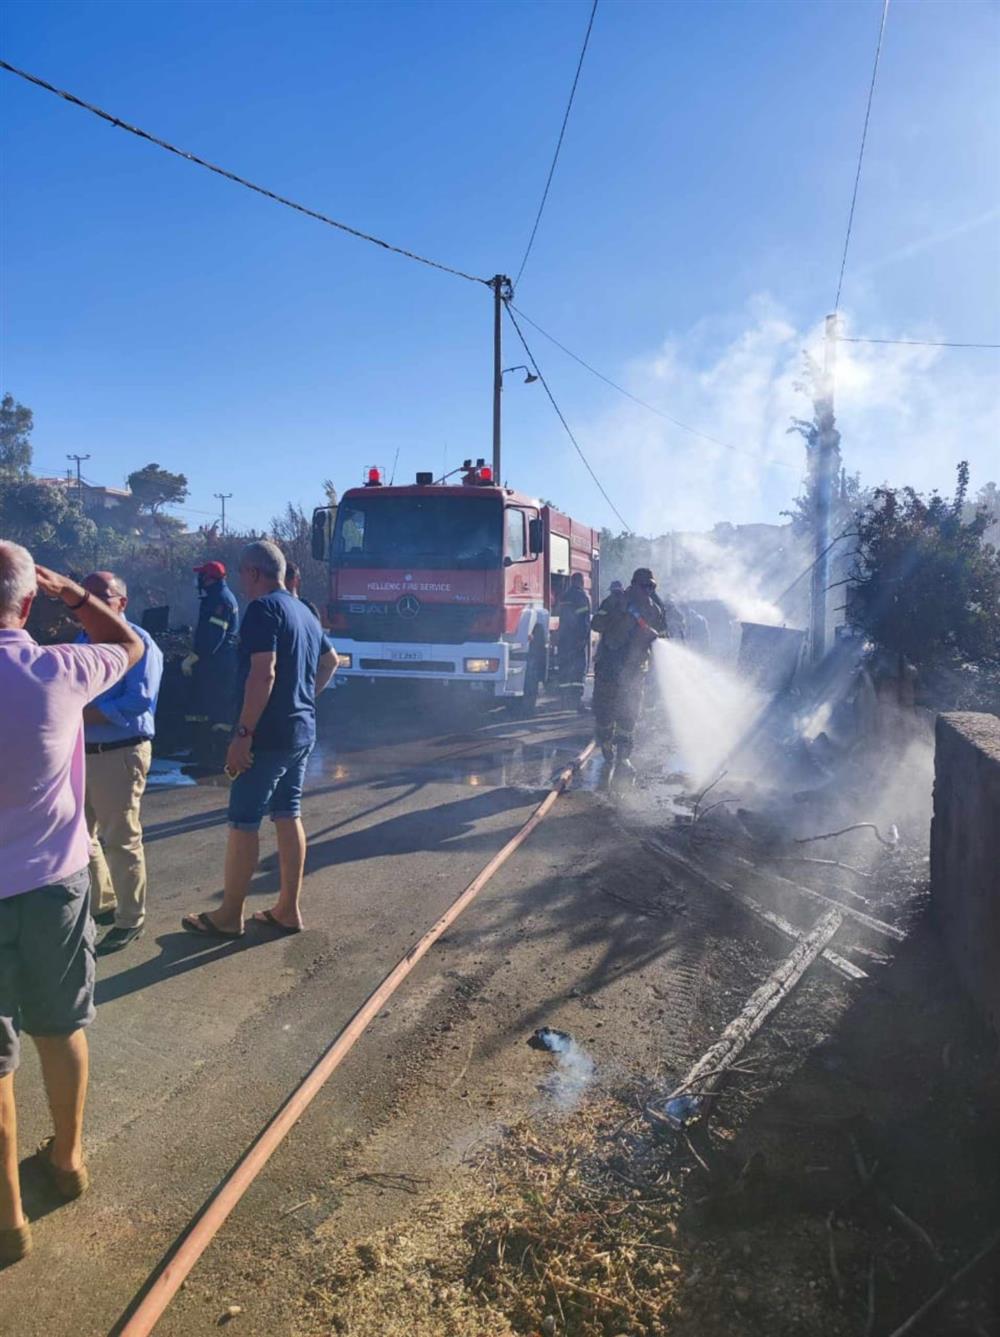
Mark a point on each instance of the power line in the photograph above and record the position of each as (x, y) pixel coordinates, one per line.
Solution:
(559, 142)
(915, 343)
(693, 431)
(815, 562)
(569, 433)
(231, 176)
(861, 154)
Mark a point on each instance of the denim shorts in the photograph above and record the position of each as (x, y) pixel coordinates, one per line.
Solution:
(46, 963)
(273, 784)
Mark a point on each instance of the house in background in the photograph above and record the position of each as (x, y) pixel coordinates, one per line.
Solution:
(96, 497)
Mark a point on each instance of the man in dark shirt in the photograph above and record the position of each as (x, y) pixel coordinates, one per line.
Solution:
(284, 665)
(293, 584)
(212, 665)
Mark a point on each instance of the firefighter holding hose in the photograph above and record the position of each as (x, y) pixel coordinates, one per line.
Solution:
(628, 622)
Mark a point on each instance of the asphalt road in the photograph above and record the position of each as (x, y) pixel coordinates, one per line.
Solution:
(196, 1043)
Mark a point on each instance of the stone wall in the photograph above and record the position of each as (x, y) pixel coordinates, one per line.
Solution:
(965, 852)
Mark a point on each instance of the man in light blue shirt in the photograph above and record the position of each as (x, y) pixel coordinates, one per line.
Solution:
(118, 733)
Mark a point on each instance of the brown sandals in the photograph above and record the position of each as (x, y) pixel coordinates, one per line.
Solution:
(15, 1243)
(67, 1183)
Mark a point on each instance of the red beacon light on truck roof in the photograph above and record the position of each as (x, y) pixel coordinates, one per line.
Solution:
(373, 477)
(478, 474)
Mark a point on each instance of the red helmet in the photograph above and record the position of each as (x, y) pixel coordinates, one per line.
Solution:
(213, 570)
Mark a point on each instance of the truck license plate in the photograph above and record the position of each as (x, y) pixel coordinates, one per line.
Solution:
(406, 656)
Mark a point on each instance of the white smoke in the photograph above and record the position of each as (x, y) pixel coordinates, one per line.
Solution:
(574, 1068)
(731, 575)
(907, 416)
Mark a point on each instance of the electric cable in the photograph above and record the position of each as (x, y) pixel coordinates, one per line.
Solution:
(559, 143)
(815, 561)
(566, 426)
(914, 343)
(861, 155)
(232, 176)
(693, 431)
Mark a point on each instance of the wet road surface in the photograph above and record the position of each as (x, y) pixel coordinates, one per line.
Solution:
(197, 1042)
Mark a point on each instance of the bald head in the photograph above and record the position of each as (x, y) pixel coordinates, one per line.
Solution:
(109, 588)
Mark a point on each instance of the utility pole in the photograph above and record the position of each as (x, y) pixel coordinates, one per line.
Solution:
(79, 478)
(502, 290)
(223, 497)
(828, 439)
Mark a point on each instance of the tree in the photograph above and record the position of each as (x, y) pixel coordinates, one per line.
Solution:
(46, 520)
(292, 530)
(925, 586)
(16, 422)
(817, 385)
(153, 488)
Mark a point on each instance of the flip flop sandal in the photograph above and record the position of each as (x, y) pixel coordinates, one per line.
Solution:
(15, 1243)
(208, 928)
(267, 919)
(68, 1184)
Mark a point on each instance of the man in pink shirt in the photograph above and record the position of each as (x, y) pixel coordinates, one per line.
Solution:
(46, 933)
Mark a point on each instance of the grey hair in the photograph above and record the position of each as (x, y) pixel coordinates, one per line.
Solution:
(17, 577)
(267, 557)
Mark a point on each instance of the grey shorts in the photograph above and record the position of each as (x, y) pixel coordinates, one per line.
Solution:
(46, 964)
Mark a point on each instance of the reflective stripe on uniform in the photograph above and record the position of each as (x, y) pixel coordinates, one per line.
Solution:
(219, 622)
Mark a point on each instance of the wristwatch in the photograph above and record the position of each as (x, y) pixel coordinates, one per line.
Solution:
(243, 732)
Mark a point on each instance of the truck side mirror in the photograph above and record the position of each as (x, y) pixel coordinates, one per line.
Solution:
(536, 537)
(322, 532)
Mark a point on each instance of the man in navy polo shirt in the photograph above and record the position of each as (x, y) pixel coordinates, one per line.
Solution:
(284, 665)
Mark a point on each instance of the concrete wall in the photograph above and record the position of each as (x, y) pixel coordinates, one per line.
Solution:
(965, 851)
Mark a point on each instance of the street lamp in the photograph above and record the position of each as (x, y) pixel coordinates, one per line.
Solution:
(529, 376)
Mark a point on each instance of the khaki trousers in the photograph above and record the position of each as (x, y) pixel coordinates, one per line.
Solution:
(115, 785)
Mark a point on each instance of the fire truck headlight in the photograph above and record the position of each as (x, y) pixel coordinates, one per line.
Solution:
(482, 665)
(344, 661)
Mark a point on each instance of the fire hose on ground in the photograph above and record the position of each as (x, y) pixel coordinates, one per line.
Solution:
(146, 1309)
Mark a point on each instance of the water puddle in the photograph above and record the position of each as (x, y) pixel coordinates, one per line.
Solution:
(528, 766)
(167, 774)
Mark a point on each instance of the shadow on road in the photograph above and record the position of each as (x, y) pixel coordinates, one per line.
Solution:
(607, 912)
(179, 953)
(448, 826)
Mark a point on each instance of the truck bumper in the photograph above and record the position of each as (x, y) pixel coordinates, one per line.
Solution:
(470, 662)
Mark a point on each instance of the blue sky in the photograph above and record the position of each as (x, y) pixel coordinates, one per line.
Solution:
(689, 249)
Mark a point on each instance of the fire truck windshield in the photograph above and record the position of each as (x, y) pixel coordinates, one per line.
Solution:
(435, 533)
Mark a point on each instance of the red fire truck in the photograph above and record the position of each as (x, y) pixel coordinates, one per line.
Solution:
(457, 583)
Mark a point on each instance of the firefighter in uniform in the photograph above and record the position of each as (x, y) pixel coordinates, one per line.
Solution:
(212, 665)
(573, 640)
(629, 621)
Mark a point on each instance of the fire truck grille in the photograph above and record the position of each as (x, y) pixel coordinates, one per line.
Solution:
(413, 666)
(442, 624)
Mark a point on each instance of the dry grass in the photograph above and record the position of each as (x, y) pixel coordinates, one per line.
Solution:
(567, 1225)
